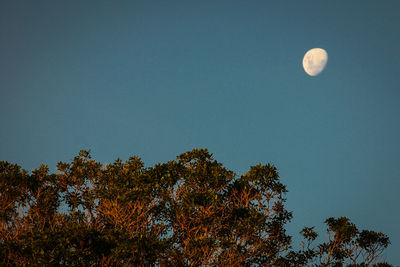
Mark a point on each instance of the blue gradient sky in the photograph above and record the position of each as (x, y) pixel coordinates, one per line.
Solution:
(158, 78)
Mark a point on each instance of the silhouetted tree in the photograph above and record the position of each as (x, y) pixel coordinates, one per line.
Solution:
(188, 212)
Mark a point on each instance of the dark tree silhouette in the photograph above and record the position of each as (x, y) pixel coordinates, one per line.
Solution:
(188, 212)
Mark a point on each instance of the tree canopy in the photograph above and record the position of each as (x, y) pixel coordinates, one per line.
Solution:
(190, 211)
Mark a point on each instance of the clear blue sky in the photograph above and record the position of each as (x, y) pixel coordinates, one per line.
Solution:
(158, 78)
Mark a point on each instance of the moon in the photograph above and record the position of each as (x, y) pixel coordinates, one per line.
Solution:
(314, 61)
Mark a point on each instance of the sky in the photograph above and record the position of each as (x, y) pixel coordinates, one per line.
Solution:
(159, 78)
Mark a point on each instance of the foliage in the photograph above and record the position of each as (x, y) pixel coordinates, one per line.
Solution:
(345, 245)
(188, 212)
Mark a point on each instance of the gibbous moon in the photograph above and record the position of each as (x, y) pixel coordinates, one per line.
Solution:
(314, 61)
